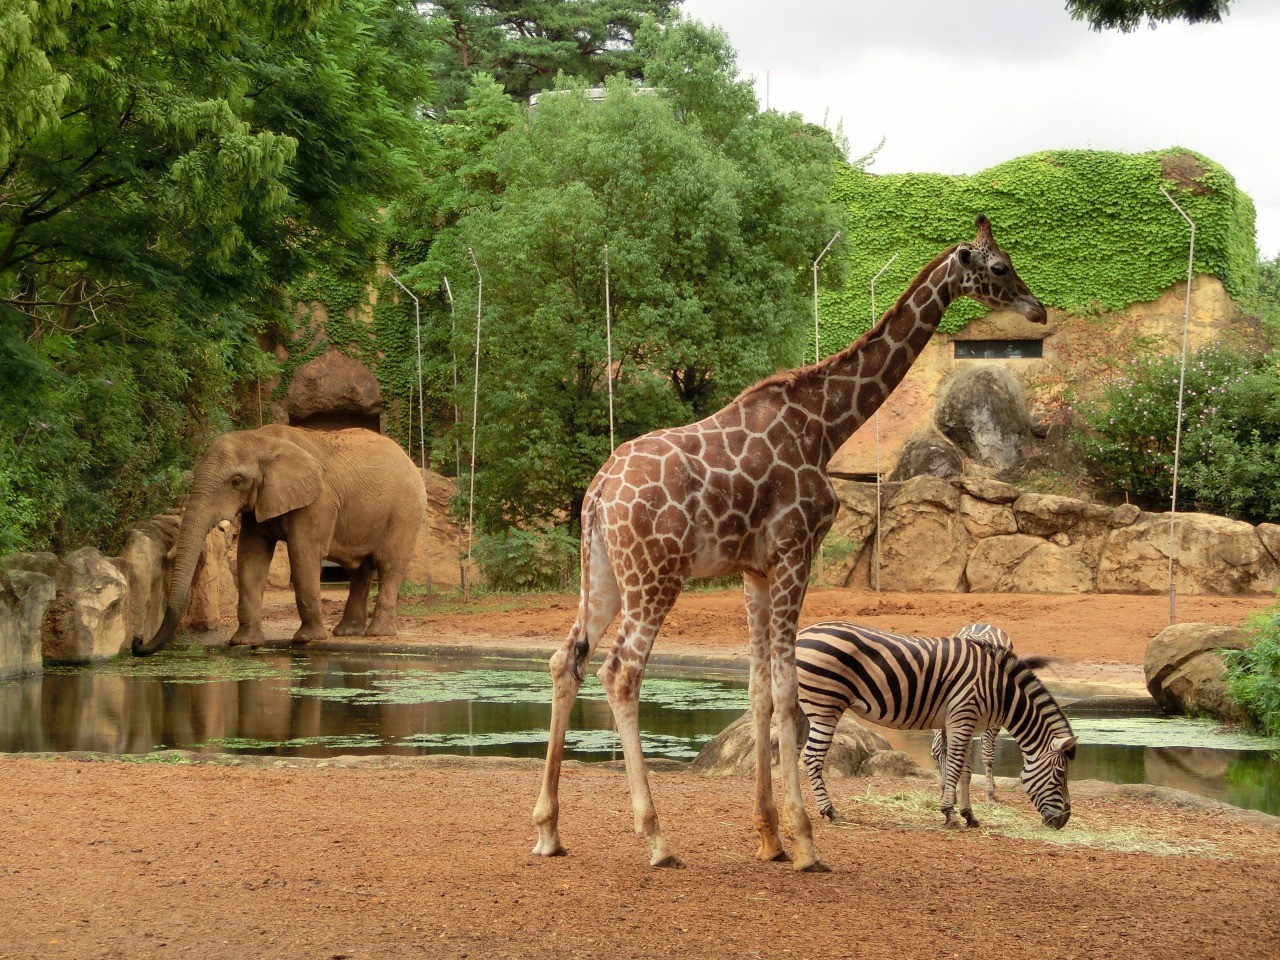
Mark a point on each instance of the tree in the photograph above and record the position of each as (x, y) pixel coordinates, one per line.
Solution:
(177, 167)
(1127, 15)
(524, 44)
(710, 231)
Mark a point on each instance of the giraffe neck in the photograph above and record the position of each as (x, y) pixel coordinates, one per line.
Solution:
(846, 388)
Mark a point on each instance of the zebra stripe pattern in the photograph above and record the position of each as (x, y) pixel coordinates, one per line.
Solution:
(918, 683)
(996, 639)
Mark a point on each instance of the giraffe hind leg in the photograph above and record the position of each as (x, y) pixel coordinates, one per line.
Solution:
(595, 612)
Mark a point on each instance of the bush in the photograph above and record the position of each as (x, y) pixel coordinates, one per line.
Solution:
(518, 560)
(1253, 675)
(1230, 461)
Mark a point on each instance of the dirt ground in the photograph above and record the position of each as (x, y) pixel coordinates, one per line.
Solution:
(429, 857)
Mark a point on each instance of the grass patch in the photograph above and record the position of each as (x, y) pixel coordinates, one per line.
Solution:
(919, 809)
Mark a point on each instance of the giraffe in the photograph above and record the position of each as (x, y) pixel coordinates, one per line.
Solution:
(745, 490)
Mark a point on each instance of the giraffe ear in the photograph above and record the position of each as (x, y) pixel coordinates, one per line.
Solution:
(966, 255)
(984, 229)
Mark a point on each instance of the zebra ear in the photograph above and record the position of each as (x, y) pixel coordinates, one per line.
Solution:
(1063, 744)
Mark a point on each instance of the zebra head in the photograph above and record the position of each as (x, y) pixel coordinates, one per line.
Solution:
(1044, 778)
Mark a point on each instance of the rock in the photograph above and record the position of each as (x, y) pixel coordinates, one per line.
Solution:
(25, 598)
(983, 410)
(985, 519)
(1184, 669)
(1044, 515)
(88, 619)
(891, 763)
(333, 383)
(732, 752)
(1124, 515)
(1024, 564)
(923, 542)
(212, 596)
(927, 453)
(992, 491)
(1215, 555)
(142, 561)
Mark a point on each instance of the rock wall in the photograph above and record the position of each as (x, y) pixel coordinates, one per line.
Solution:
(984, 536)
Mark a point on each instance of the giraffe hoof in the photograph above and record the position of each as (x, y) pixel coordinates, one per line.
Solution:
(549, 850)
(670, 862)
(817, 866)
(780, 857)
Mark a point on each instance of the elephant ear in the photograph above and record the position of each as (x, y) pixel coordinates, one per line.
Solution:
(291, 479)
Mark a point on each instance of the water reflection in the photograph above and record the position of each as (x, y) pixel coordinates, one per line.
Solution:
(325, 704)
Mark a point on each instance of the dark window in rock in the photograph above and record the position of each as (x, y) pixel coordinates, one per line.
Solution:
(999, 349)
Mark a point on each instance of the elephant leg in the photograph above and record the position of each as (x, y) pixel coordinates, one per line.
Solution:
(356, 611)
(253, 560)
(304, 561)
(390, 579)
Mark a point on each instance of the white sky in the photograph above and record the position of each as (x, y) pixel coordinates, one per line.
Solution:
(955, 86)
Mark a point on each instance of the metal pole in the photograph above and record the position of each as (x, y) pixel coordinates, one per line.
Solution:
(457, 411)
(608, 338)
(475, 407)
(422, 430)
(817, 355)
(817, 349)
(1182, 379)
(875, 422)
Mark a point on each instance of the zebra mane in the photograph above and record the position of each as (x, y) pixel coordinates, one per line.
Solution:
(1020, 671)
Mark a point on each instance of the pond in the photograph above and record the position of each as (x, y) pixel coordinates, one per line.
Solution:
(320, 704)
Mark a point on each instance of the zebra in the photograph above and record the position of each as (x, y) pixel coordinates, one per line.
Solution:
(997, 639)
(916, 683)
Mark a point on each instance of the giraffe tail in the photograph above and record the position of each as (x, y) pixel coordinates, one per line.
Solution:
(581, 642)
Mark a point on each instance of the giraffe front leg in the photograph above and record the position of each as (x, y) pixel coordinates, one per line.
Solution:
(786, 593)
(765, 817)
(621, 681)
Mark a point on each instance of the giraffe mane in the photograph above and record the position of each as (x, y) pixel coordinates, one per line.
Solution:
(786, 379)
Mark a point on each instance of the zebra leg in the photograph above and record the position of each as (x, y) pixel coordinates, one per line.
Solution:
(959, 737)
(989, 760)
(938, 750)
(822, 730)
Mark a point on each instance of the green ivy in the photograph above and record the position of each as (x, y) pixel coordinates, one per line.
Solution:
(1087, 230)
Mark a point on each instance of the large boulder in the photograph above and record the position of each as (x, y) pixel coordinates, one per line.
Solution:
(924, 544)
(142, 561)
(1214, 555)
(25, 598)
(88, 619)
(213, 595)
(732, 752)
(983, 410)
(1024, 564)
(927, 453)
(333, 383)
(1184, 669)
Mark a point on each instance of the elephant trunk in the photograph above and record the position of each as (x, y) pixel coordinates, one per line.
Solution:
(197, 520)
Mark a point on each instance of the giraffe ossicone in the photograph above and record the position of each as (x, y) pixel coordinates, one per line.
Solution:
(745, 490)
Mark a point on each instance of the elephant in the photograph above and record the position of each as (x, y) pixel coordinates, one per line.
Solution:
(351, 496)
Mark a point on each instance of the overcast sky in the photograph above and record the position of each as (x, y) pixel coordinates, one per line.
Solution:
(955, 86)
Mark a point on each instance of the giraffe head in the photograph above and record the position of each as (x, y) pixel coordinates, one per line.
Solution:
(990, 279)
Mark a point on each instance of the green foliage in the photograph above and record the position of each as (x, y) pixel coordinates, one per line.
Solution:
(1253, 674)
(524, 45)
(1087, 231)
(705, 240)
(166, 169)
(1230, 459)
(532, 559)
(1127, 15)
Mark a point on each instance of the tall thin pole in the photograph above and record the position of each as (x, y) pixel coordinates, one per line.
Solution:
(875, 421)
(475, 408)
(1182, 380)
(817, 355)
(608, 340)
(422, 429)
(817, 347)
(453, 350)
